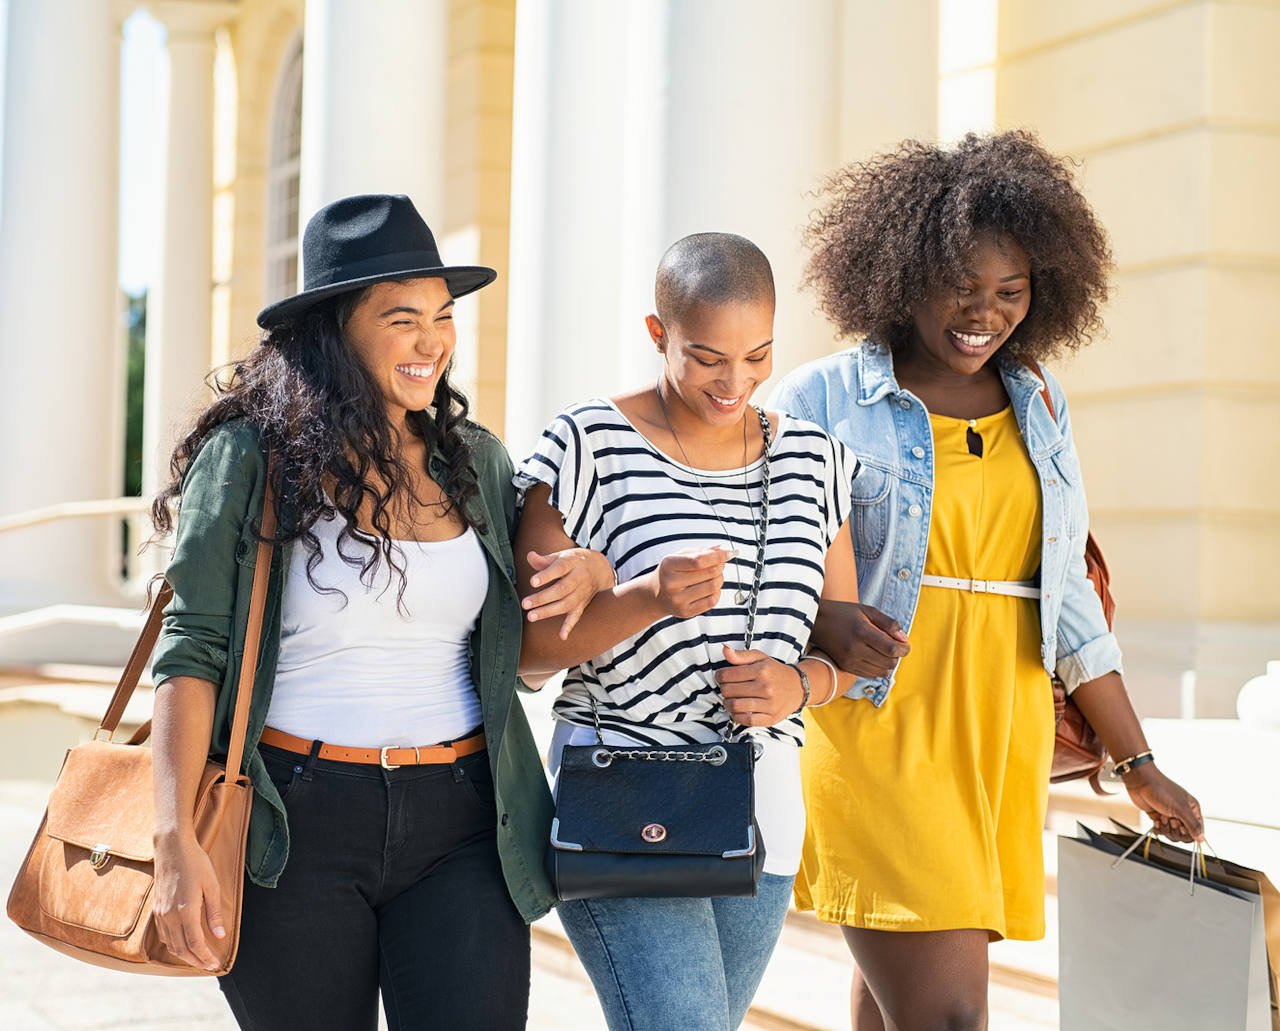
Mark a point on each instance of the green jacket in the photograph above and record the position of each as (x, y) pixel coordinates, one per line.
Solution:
(204, 630)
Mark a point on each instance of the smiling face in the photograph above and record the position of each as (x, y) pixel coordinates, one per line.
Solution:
(716, 357)
(403, 334)
(961, 328)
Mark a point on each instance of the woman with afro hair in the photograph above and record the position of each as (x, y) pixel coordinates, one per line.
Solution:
(957, 271)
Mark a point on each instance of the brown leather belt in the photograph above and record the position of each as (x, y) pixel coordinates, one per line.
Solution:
(389, 757)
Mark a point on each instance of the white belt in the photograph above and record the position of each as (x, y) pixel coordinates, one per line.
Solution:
(1015, 588)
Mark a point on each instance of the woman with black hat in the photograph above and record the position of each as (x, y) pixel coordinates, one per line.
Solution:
(391, 767)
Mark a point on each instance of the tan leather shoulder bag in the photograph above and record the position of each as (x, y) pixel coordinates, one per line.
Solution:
(87, 885)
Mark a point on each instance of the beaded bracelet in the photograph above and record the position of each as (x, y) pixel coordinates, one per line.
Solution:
(1126, 766)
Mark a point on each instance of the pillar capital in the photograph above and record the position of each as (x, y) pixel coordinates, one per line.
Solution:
(193, 17)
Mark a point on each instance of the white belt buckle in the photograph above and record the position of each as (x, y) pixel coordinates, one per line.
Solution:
(980, 586)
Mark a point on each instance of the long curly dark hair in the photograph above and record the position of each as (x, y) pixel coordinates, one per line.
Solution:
(896, 229)
(321, 416)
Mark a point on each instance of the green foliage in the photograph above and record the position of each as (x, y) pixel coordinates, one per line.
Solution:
(136, 321)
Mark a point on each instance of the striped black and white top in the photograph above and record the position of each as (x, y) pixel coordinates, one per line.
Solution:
(622, 496)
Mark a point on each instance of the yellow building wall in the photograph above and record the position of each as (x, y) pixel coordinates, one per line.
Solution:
(1174, 110)
(260, 38)
(482, 35)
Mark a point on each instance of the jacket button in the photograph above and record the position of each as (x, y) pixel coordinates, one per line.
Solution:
(506, 819)
(917, 451)
(914, 511)
(868, 691)
(904, 574)
(904, 404)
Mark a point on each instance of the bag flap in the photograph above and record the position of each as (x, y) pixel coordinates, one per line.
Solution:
(104, 797)
(655, 807)
(107, 900)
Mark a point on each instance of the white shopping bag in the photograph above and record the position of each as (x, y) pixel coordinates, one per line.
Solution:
(1141, 946)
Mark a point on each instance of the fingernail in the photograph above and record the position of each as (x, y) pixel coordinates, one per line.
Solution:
(219, 932)
(535, 582)
(533, 617)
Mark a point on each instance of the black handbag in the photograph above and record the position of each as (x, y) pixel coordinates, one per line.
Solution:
(661, 822)
(656, 822)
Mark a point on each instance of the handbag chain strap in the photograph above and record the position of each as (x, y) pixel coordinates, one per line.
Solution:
(715, 755)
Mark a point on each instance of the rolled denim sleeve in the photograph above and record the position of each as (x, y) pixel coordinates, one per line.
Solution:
(1086, 647)
(216, 495)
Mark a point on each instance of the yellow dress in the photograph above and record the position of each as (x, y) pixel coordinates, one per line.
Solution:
(926, 814)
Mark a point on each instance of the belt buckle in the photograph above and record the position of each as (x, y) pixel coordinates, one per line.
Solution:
(978, 587)
(382, 756)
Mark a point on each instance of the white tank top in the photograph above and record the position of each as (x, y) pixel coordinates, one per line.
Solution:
(356, 670)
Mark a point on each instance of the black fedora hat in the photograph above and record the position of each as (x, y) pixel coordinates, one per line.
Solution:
(357, 241)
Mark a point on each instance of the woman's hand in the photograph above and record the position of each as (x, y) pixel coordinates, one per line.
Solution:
(758, 690)
(860, 639)
(688, 583)
(566, 581)
(188, 901)
(1170, 807)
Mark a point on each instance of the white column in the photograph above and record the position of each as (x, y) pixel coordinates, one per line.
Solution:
(60, 332)
(179, 310)
(753, 108)
(374, 88)
(638, 124)
(569, 204)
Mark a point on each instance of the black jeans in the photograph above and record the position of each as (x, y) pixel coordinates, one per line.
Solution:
(393, 882)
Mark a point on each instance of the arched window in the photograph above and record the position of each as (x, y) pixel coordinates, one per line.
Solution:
(282, 180)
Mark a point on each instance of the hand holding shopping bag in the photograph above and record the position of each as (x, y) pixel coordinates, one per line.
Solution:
(1151, 935)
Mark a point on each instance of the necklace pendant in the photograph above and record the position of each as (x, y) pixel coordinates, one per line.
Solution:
(740, 598)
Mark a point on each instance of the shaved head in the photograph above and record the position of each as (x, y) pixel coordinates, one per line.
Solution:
(710, 269)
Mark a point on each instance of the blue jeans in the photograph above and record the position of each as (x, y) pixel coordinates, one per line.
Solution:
(677, 964)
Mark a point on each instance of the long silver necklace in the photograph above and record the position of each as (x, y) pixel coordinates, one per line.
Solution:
(758, 531)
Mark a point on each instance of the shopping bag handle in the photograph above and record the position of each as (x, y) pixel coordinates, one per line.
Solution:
(1197, 852)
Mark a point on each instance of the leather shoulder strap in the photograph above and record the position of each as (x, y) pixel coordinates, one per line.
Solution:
(1044, 388)
(146, 643)
(253, 630)
(142, 649)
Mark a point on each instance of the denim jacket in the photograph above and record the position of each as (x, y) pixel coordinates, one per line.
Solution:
(855, 397)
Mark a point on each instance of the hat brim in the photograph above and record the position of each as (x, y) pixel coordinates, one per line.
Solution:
(461, 280)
